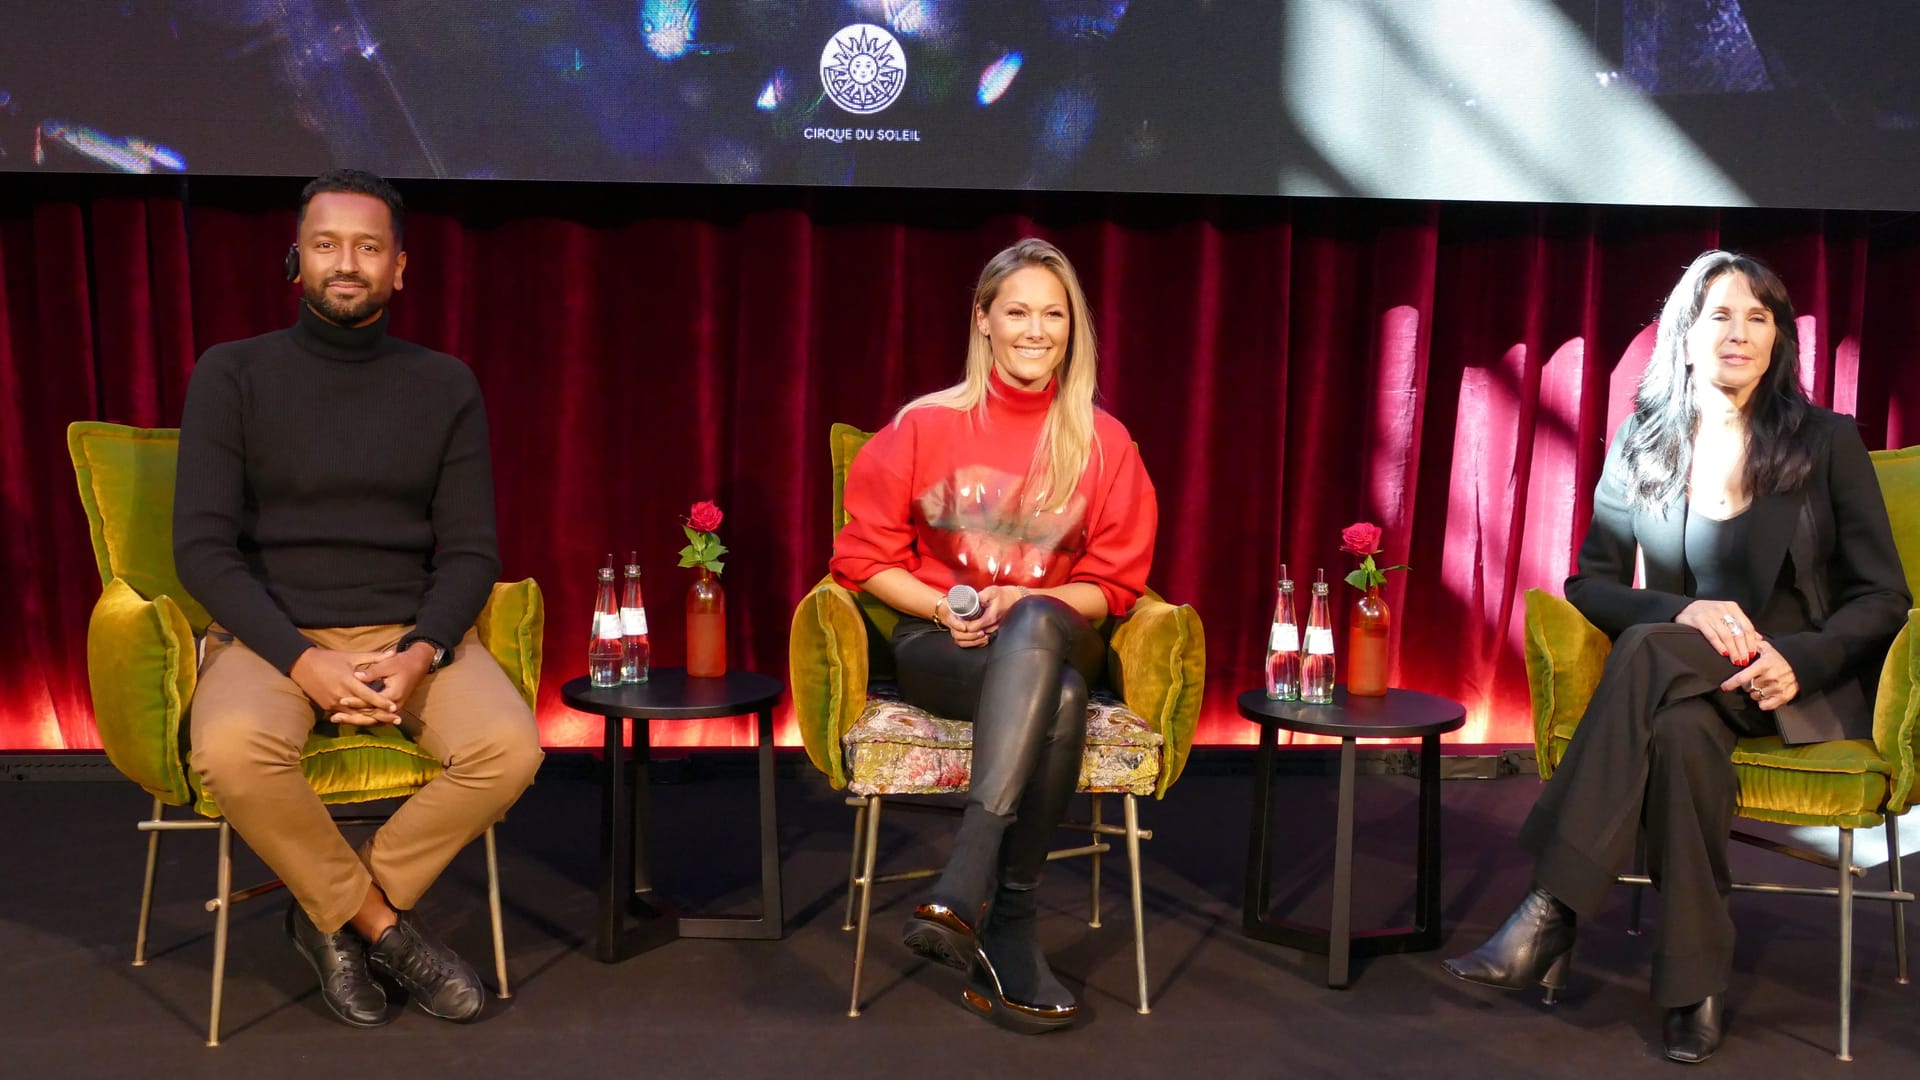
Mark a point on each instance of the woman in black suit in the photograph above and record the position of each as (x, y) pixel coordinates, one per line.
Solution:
(1771, 590)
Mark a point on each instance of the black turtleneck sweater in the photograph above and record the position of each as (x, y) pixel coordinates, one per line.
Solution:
(333, 476)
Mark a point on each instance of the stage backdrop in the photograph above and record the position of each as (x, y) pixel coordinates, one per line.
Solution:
(1287, 367)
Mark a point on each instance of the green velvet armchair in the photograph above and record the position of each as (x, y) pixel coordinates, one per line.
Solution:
(1847, 784)
(142, 663)
(875, 746)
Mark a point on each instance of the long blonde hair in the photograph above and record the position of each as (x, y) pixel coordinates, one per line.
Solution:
(1066, 440)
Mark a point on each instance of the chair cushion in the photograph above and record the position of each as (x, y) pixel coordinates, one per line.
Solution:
(1896, 713)
(1840, 783)
(846, 442)
(1157, 660)
(512, 627)
(126, 485)
(896, 749)
(359, 766)
(827, 669)
(1565, 655)
(141, 669)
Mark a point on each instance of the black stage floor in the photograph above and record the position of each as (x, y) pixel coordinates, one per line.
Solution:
(1223, 1005)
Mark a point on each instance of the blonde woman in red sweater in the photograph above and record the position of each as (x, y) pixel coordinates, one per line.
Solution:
(1012, 482)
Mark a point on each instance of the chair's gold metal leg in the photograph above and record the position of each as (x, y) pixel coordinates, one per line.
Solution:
(1846, 945)
(222, 903)
(1093, 889)
(869, 848)
(1131, 805)
(1899, 906)
(493, 911)
(1639, 869)
(146, 891)
(853, 862)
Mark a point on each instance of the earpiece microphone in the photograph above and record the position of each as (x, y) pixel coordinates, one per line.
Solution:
(293, 262)
(963, 601)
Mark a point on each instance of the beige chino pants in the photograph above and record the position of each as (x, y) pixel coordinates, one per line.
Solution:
(249, 722)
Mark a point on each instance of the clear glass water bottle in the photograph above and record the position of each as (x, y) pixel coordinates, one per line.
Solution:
(606, 648)
(1316, 669)
(633, 625)
(1283, 645)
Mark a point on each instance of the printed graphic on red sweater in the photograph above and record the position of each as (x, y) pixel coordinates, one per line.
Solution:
(985, 528)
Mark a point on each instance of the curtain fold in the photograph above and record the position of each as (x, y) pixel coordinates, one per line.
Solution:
(1450, 372)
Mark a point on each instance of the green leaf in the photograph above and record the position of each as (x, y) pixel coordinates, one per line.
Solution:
(716, 566)
(1358, 579)
(692, 536)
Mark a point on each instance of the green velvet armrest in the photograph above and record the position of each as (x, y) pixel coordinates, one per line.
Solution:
(141, 667)
(1565, 654)
(1894, 708)
(1157, 661)
(512, 626)
(827, 669)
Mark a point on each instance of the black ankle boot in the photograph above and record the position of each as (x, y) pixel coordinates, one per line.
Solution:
(1694, 1031)
(1011, 941)
(1535, 945)
(1010, 982)
(942, 928)
(340, 959)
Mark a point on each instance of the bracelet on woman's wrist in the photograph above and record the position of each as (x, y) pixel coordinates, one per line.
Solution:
(937, 620)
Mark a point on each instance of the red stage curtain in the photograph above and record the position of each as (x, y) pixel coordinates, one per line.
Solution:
(1287, 366)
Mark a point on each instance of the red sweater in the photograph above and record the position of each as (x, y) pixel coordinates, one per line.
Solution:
(939, 494)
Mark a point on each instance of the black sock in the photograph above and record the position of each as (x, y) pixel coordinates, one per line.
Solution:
(968, 880)
(1011, 940)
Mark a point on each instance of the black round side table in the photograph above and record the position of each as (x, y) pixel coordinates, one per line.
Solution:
(1399, 714)
(626, 884)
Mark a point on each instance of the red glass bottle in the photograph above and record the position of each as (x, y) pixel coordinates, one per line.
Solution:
(706, 627)
(1367, 653)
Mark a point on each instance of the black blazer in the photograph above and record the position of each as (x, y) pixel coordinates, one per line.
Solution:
(1845, 567)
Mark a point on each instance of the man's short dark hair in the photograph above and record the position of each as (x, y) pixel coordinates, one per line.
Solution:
(356, 182)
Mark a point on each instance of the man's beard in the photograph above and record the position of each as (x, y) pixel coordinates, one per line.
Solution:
(344, 312)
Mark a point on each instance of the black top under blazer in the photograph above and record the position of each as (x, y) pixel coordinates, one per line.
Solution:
(1846, 571)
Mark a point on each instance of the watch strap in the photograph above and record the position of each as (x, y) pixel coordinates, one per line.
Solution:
(442, 656)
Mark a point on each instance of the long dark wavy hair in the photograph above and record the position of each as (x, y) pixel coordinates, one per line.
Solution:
(1659, 452)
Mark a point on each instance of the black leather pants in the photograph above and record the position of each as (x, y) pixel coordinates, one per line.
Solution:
(1026, 693)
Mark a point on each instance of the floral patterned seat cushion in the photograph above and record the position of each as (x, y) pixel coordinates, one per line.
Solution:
(896, 749)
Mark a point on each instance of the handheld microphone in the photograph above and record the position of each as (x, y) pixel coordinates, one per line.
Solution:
(963, 601)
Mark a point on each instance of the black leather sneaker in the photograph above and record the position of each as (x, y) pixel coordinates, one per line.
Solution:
(340, 960)
(433, 975)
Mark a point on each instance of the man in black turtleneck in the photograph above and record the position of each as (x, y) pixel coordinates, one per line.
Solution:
(334, 513)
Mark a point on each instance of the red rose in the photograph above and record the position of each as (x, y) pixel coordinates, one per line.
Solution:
(1361, 538)
(705, 517)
